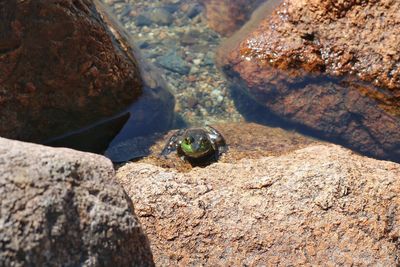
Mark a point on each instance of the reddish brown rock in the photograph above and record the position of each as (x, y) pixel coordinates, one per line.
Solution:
(331, 67)
(320, 205)
(60, 68)
(226, 16)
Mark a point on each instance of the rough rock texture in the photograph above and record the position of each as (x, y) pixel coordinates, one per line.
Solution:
(320, 205)
(152, 112)
(60, 207)
(60, 68)
(244, 140)
(319, 64)
(226, 16)
(349, 37)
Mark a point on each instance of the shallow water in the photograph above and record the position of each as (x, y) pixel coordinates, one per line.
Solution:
(183, 49)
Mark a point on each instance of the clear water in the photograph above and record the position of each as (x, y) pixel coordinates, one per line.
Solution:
(201, 92)
(183, 53)
(173, 36)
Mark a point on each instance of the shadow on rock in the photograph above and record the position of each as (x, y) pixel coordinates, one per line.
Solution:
(309, 64)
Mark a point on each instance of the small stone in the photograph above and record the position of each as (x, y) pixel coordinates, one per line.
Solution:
(173, 62)
(194, 9)
(226, 17)
(160, 16)
(191, 102)
(190, 38)
(142, 20)
(172, 8)
(209, 59)
(217, 97)
(191, 78)
(194, 69)
(126, 11)
(143, 44)
(197, 61)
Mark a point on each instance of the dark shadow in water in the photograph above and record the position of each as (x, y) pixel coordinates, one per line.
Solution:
(129, 147)
(142, 130)
(94, 138)
(129, 135)
(133, 148)
(253, 111)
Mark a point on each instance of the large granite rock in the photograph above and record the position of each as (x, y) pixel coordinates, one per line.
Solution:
(60, 207)
(320, 205)
(61, 68)
(152, 112)
(227, 16)
(331, 67)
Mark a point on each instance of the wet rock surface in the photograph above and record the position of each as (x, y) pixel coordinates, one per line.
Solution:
(330, 67)
(227, 16)
(244, 140)
(320, 205)
(60, 69)
(63, 207)
(353, 37)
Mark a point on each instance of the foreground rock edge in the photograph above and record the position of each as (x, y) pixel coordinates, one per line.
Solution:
(61, 206)
(319, 205)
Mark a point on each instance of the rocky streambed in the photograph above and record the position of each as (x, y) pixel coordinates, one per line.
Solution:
(313, 182)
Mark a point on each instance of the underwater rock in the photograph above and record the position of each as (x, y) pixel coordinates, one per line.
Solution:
(174, 62)
(142, 20)
(226, 16)
(319, 205)
(61, 207)
(160, 16)
(60, 69)
(333, 68)
(193, 9)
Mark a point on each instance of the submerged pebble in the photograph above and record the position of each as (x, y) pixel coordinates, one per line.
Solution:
(173, 35)
(194, 10)
(142, 20)
(173, 62)
(159, 16)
